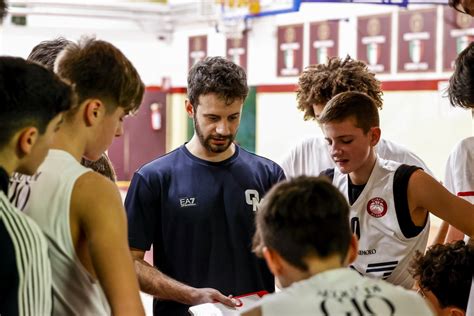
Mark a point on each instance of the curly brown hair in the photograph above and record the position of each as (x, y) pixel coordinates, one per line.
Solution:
(461, 83)
(318, 83)
(446, 271)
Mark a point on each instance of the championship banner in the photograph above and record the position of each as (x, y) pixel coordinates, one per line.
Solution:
(458, 33)
(290, 50)
(323, 41)
(417, 41)
(236, 50)
(197, 49)
(374, 42)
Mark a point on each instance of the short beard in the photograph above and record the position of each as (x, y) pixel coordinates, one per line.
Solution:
(206, 141)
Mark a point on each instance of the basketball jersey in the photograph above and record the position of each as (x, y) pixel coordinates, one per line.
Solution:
(343, 292)
(311, 157)
(46, 198)
(384, 251)
(459, 174)
(25, 269)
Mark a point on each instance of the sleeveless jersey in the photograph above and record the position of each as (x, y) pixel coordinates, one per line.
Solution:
(343, 292)
(46, 198)
(384, 251)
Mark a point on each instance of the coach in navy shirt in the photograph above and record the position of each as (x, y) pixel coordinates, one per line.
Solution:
(196, 205)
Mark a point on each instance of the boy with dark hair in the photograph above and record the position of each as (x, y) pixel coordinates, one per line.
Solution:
(390, 202)
(304, 235)
(460, 165)
(46, 53)
(80, 211)
(444, 276)
(317, 84)
(32, 100)
(196, 204)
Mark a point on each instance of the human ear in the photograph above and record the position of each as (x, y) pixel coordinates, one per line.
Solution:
(455, 311)
(375, 135)
(189, 108)
(93, 110)
(27, 140)
(273, 260)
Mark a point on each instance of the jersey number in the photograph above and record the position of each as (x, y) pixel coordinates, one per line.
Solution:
(355, 226)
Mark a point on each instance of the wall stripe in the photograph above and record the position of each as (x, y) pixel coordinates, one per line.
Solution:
(401, 85)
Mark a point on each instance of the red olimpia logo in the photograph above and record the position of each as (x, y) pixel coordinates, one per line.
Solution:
(377, 207)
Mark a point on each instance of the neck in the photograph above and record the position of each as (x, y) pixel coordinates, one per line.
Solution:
(70, 138)
(362, 175)
(315, 266)
(8, 162)
(197, 149)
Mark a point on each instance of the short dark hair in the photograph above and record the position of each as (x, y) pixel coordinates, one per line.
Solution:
(303, 216)
(319, 83)
(3, 9)
(30, 95)
(351, 104)
(97, 69)
(46, 52)
(103, 166)
(461, 83)
(217, 75)
(446, 271)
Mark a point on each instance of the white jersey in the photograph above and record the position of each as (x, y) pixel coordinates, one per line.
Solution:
(46, 198)
(343, 292)
(470, 302)
(384, 251)
(25, 269)
(311, 157)
(459, 175)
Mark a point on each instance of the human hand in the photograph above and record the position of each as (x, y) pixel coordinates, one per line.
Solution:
(208, 295)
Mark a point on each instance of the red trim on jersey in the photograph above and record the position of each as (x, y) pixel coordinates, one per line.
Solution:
(467, 193)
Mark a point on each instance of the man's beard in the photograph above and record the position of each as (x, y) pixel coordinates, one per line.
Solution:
(206, 141)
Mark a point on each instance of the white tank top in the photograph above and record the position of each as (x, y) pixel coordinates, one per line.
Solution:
(46, 198)
(384, 251)
(343, 292)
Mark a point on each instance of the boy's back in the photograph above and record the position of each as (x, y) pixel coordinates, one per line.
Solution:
(343, 292)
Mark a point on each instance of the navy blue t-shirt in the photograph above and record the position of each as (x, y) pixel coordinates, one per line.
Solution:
(199, 216)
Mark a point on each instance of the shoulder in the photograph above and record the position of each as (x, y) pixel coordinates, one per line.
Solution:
(92, 191)
(310, 145)
(162, 163)
(463, 148)
(251, 158)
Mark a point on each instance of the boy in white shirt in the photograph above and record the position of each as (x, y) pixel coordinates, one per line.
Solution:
(303, 233)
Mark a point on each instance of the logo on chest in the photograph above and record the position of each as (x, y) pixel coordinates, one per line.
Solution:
(377, 207)
(187, 201)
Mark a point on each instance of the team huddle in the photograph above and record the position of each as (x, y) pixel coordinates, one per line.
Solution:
(339, 227)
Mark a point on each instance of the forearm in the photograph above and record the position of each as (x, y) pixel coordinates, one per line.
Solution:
(154, 282)
(440, 234)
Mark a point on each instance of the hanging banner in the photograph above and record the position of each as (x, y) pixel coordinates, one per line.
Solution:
(458, 33)
(374, 42)
(417, 40)
(197, 49)
(290, 50)
(323, 41)
(236, 50)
